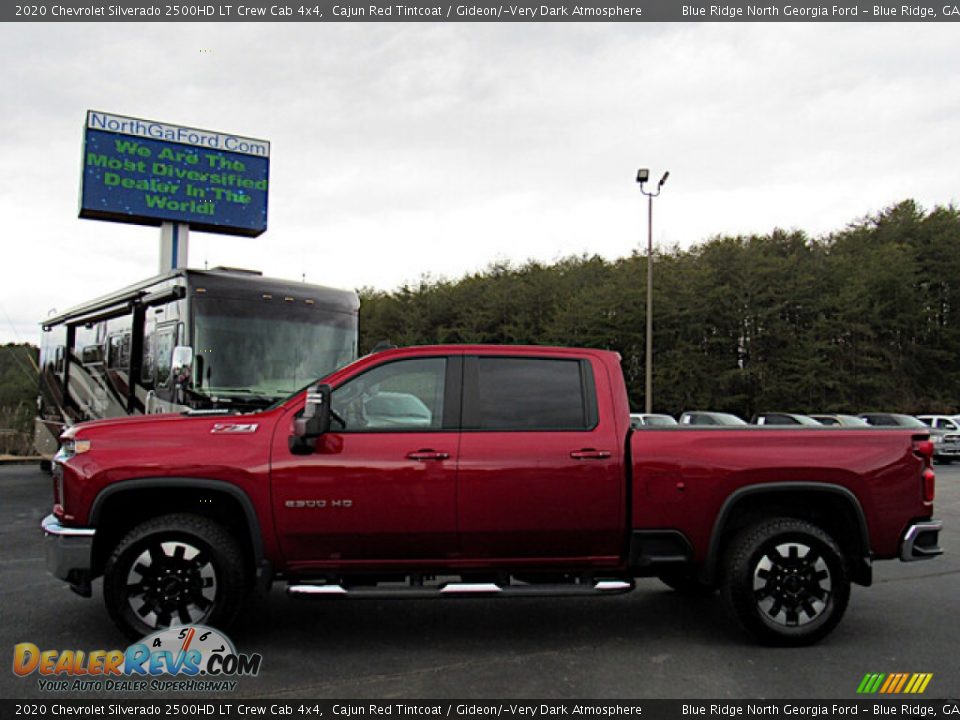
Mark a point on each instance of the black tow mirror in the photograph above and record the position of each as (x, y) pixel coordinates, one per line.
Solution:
(315, 420)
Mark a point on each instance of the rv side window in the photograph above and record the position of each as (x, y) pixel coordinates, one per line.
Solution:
(165, 342)
(119, 352)
(146, 367)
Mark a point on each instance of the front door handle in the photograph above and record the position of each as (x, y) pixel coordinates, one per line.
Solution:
(590, 454)
(428, 455)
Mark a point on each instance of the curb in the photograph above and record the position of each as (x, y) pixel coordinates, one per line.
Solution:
(20, 460)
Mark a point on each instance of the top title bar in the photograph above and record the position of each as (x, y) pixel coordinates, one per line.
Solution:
(176, 133)
(486, 11)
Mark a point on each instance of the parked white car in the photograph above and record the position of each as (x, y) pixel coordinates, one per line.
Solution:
(840, 420)
(639, 420)
(707, 417)
(782, 418)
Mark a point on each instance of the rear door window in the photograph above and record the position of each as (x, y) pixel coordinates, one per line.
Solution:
(528, 393)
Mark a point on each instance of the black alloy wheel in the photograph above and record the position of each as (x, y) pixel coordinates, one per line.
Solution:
(792, 584)
(171, 583)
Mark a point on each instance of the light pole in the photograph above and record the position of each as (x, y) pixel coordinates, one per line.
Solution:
(643, 175)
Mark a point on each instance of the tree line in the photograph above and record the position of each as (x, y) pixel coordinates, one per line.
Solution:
(18, 394)
(864, 318)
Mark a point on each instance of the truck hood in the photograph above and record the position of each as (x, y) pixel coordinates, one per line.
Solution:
(157, 422)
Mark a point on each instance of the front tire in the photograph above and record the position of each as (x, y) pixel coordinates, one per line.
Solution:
(786, 582)
(175, 570)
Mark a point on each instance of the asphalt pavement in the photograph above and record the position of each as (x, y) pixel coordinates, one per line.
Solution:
(651, 643)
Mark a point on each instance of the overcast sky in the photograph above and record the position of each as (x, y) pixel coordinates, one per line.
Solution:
(403, 150)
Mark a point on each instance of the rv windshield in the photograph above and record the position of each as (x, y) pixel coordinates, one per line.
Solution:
(263, 351)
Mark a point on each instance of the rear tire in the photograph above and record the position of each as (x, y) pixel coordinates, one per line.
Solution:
(175, 570)
(786, 582)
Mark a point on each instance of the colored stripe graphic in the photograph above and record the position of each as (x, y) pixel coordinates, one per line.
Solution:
(903, 680)
(870, 683)
(894, 683)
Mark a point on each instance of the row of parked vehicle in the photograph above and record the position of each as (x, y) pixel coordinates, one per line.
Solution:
(944, 429)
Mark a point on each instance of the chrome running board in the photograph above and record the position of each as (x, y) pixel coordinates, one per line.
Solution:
(458, 589)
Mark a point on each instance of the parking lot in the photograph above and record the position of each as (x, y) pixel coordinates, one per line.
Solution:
(651, 643)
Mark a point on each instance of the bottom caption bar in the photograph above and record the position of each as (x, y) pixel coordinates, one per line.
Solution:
(235, 708)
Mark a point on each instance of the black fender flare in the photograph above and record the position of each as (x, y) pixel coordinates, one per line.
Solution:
(250, 513)
(709, 572)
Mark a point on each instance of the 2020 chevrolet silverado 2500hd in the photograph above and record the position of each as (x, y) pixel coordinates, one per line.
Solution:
(465, 470)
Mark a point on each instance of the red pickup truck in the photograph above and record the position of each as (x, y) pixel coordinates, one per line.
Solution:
(470, 470)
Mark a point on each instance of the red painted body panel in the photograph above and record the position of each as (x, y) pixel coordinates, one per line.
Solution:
(375, 502)
(172, 446)
(521, 494)
(682, 477)
(500, 499)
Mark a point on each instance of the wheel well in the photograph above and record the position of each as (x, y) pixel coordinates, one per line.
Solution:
(834, 512)
(122, 511)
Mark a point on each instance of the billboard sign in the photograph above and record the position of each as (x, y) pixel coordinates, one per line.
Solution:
(147, 173)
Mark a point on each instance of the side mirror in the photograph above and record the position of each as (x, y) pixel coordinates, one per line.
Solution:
(314, 422)
(91, 355)
(182, 365)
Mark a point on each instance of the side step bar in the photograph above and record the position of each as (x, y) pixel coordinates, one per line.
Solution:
(603, 587)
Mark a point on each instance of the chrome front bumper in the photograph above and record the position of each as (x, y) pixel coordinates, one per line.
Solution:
(921, 541)
(69, 553)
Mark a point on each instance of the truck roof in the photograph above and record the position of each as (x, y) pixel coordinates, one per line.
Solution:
(492, 349)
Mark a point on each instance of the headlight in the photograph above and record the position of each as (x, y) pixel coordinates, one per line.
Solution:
(72, 446)
(935, 439)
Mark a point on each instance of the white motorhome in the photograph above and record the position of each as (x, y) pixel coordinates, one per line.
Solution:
(190, 339)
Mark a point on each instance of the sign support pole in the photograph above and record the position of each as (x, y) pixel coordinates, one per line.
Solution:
(174, 246)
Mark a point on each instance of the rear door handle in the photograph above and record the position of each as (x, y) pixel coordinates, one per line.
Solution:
(590, 454)
(428, 455)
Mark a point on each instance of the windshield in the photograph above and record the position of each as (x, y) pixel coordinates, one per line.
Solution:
(263, 351)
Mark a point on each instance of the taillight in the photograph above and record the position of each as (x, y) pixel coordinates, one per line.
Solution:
(929, 484)
(924, 449)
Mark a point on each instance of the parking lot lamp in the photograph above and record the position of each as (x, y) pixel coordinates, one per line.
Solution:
(643, 175)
